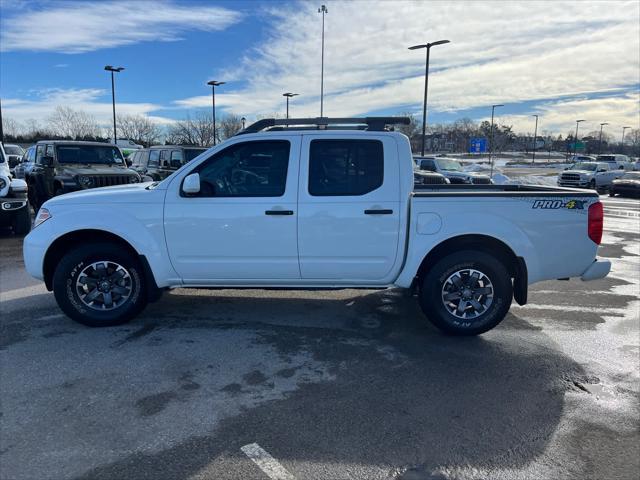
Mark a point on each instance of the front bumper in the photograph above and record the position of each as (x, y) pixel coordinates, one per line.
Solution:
(573, 183)
(34, 248)
(598, 269)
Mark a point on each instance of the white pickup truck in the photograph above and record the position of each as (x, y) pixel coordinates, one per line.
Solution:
(301, 204)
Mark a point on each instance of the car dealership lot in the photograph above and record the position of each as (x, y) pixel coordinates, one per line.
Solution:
(338, 384)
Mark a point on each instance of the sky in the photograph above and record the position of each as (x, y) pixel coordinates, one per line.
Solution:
(561, 60)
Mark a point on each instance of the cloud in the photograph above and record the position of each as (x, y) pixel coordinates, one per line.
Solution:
(45, 101)
(76, 27)
(527, 51)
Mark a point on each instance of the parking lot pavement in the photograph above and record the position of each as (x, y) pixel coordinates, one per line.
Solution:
(346, 384)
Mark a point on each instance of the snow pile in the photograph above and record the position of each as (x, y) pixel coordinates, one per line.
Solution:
(501, 179)
(544, 180)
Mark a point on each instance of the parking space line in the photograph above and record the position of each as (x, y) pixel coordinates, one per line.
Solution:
(266, 462)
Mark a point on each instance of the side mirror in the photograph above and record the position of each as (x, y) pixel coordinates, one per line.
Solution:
(621, 167)
(128, 162)
(191, 184)
(47, 161)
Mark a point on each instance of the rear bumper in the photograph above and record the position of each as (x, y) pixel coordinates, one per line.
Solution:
(598, 269)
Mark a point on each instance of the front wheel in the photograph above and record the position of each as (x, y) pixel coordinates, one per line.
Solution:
(592, 184)
(466, 293)
(100, 285)
(21, 223)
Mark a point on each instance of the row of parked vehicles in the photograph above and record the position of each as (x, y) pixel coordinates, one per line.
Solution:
(612, 172)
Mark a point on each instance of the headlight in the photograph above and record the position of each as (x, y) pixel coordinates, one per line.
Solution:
(43, 214)
(3, 183)
(134, 179)
(84, 181)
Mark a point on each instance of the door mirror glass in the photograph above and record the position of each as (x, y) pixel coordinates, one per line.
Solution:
(47, 161)
(191, 184)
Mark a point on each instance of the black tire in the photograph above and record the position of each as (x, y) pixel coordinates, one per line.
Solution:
(77, 261)
(592, 185)
(21, 223)
(435, 281)
(34, 199)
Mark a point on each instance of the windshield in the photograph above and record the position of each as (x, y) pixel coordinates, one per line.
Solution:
(89, 154)
(191, 153)
(589, 166)
(449, 165)
(13, 150)
(606, 158)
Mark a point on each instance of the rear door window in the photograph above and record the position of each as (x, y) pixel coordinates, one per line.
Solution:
(345, 167)
(154, 158)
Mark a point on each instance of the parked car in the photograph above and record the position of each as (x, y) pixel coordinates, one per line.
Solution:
(126, 145)
(616, 161)
(582, 158)
(325, 208)
(26, 163)
(13, 153)
(451, 169)
(593, 175)
(62, 166)
(14, 208)
(626, 186)
(159, 162)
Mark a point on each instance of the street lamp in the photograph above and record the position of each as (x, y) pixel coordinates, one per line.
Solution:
(289, 95)
(622, 141)
(493, 108)
(324, 11)
(600, 141)
(214, 84)
(426, 84)
(113, 70)
(575, 140)
(535, 141)
(243, 120)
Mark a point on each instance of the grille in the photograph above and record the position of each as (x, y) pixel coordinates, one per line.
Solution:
(574, 177)
(432, 180)
(481, 181)
(109, 180)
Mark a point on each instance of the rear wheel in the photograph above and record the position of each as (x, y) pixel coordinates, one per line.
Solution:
(466, 293)
(100, 285)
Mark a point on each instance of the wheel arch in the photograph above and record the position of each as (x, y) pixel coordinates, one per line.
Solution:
(63, 244)
(515, 265)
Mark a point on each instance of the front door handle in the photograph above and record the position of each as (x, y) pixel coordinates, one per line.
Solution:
(278, 212)
(378, 212)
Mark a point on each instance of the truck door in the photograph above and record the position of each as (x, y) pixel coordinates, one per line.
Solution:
(348, 207)
(242, 225)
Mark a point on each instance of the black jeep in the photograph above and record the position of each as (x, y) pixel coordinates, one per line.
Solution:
(159, 162)
(66, 166)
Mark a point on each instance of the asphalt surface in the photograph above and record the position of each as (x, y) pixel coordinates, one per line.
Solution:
(329, 385)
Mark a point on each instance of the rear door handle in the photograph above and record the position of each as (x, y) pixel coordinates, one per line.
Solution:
(378, 212)
(278, 212)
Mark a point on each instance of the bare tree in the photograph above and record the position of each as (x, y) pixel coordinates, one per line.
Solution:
(230, 125)
(11, 127)
(192, 131)
(69, 123)
(138, 128)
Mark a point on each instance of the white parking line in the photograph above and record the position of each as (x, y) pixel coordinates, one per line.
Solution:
(266, 462)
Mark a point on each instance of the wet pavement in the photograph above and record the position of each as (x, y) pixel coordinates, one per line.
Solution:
(331, 385)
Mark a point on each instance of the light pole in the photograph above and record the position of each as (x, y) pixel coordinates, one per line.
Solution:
(493, 108)
(214, 84)
(622, 141)
(535, 141)
(243, 120)
(575, 140)
(289, 95)
(426, 85)
(600, 141)
(2, 132)
(324, 11)
(113, 70)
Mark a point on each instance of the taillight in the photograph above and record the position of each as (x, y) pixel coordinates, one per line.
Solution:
(596, 218)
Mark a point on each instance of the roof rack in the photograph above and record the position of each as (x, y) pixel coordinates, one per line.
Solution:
(376, 124)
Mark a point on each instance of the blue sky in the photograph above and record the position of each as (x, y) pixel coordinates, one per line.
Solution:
(561, 60)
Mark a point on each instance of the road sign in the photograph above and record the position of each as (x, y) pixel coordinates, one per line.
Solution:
(478, 145)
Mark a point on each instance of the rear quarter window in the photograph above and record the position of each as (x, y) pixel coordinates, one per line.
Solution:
(345, 167)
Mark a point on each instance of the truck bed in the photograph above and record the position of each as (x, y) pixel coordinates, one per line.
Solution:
(499, 190)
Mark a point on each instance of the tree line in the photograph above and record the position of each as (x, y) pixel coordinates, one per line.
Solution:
(66, 123)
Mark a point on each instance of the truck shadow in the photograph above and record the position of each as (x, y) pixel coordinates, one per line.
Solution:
(402, 395)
